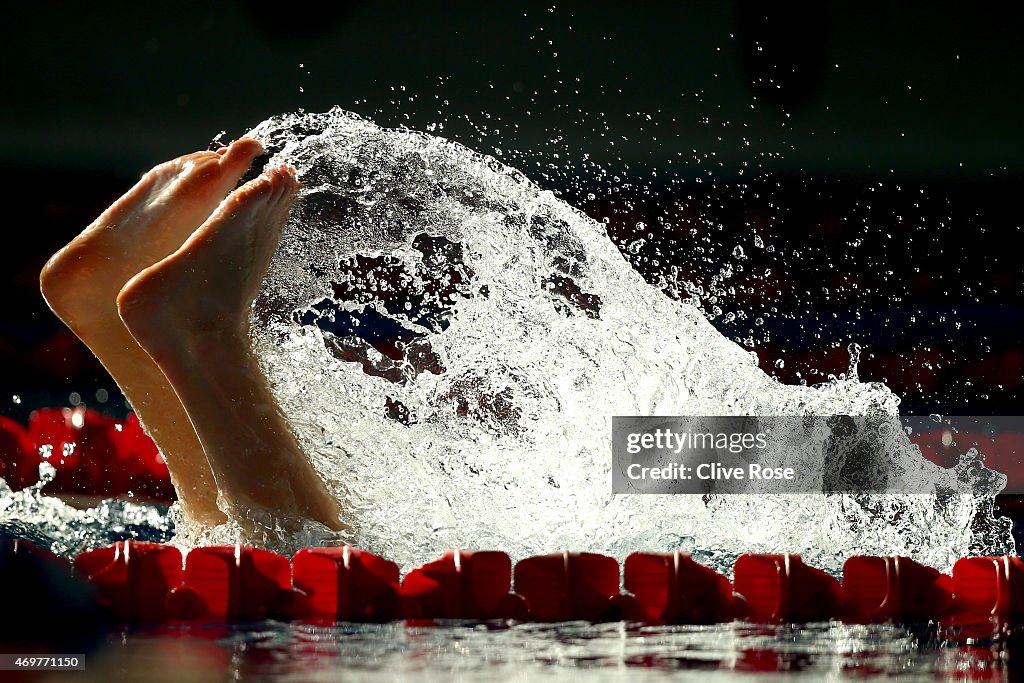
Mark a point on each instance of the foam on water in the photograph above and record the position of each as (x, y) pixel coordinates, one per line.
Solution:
(50, 523)
(521, 331)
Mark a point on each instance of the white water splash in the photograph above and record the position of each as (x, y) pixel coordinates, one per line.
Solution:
(50, 523)
(521, 331)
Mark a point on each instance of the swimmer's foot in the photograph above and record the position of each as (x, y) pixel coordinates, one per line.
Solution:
(81, 283)
(190, 312)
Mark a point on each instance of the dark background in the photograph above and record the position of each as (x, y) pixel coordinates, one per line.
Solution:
(873, 149)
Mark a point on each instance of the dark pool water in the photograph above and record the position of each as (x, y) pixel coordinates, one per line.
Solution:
(463, 651)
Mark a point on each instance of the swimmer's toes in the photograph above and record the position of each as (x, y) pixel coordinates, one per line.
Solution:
(251, 207)
(239, 155)
(209, 176)
(268, 231)
(247, 200)
(207, 286)
(159, 187)
(147, 223)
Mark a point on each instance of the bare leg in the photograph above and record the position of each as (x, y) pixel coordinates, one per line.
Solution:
(190, 312)
(81, 282)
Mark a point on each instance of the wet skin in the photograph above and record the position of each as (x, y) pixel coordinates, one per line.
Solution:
(159, 287)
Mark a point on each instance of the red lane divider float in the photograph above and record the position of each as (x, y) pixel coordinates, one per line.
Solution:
(568, 586)
(895, 589)
(345, 584)
(463, 585)
(133, 578)
(92, 454)
(672, 588)
(150, 583)
(781, 588)
(16, 550)
(988, 587)
(233, 583)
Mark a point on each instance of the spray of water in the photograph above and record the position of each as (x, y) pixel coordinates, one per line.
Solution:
(50, 523)
(450, 343)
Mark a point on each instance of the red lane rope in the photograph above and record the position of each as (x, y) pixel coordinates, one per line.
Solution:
(142, 582)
